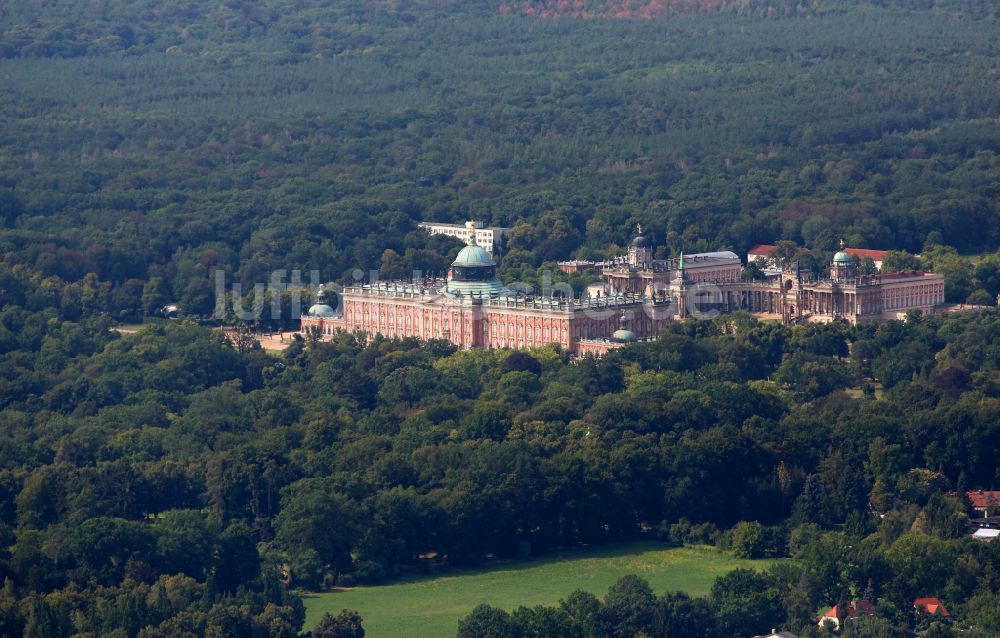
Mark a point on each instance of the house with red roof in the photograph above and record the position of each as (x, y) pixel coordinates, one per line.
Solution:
(763, 254)
(984, 502)
(852, 611)
(761, 250)
(877, 256)
(930, 606)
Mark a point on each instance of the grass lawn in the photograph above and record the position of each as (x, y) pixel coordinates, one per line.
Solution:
(129, 328)
(430, 607)
(859, 393)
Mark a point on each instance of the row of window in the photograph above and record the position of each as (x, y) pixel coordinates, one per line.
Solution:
(541, 334)
(728, 275)
(483, 238)
(498, 331)
(924, 296)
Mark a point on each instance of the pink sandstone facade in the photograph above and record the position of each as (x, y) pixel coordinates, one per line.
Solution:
(472, 309)
(397, 310)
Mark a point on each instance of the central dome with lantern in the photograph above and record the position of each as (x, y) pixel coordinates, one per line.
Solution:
(474, 273)
(841, 257)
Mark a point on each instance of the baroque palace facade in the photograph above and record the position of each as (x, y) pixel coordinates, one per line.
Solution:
(639, 296)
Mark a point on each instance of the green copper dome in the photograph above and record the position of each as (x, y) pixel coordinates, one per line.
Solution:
(473, 255)
(624, 336)
(320, 310)
(474, 273)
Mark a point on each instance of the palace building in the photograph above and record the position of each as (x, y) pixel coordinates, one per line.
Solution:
(639, 296)
(472, 309)
(713, 283)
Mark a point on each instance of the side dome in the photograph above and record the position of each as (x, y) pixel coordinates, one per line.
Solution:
(320, 310)
(841, 258)
(624, 336)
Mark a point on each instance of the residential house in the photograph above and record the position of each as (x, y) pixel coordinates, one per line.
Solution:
(930, 606)
(853, 610)
(763, 254)
(984, 502)
(877, 256)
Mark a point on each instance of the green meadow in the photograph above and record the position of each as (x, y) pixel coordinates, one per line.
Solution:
(431, 606)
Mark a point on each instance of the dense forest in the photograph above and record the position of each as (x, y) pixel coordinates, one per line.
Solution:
(166, 483)
(146, 145)
(171, 483)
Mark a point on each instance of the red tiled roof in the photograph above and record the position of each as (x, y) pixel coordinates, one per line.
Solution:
(855, 608)
(931, 606)
(876, 255)
(981, 499)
